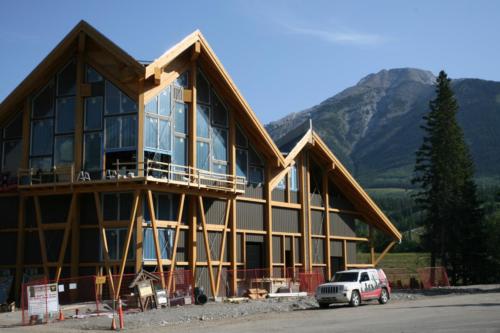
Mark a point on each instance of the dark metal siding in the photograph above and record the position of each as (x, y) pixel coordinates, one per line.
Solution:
(337, 199)
(255, 238)
(294, 196)
(55, 208)
(215, 210)
(254, 191)
(317, 222)
(9, 208)
(239, 247)
(277, 255)
(182, 246)
(88, 214)
(9, 242)
(297, 245)
(318, 251)
(286, 220)
(250, 215)
(342, 225)
(336, 248)
(288, 243)
(214, 240)
(90, 244)
(278, 195)
(351, 253)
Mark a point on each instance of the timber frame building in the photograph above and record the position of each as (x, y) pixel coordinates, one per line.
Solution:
(110, 165)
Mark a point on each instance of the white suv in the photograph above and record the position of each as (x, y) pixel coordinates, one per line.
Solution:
(354, 286)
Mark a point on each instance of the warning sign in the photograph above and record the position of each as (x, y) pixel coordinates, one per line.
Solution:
(42, 299)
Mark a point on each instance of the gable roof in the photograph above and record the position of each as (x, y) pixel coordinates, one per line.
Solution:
(361, 200)
(43, 69)
(209, 54)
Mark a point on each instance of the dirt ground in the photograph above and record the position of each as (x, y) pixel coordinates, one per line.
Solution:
(471, 309)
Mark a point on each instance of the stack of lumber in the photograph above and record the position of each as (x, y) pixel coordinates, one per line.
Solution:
(256, 293)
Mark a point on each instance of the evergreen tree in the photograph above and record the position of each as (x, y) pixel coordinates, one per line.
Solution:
(444, 171)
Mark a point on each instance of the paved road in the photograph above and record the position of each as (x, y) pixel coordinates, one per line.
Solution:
(464, 313)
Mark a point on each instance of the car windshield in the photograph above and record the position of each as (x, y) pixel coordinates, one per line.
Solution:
(345, 277)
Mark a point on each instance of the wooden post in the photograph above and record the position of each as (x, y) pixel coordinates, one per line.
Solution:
(139, 234)
(223, 244)
(140, 131)
(269, 220)
(176, 242)
(372, 248)
(104, 242)
(130, 231)
(344, 248)
(79, 100)
(207, 245)
(232, 202)
(386, 250)
(303, 213)
(20, 246)
(308, 200)
(193, 224)
(41, 237)
(155, 238)
(326, 199)
(67, 229)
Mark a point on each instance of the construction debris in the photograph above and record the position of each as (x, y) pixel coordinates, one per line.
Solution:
(256, 293)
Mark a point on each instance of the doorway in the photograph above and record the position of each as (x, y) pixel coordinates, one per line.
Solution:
(254, 255)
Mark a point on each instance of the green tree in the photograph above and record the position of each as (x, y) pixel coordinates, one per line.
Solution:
(444, 172)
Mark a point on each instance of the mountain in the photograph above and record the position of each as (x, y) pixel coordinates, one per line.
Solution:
(374, 126)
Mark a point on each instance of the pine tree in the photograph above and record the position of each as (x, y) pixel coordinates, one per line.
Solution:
(444, 171)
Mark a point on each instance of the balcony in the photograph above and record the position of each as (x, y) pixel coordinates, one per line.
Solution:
(149, 171)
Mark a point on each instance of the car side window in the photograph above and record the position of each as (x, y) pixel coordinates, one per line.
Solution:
(364, 277)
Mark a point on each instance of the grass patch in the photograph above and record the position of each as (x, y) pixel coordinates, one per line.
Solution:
(407, 262)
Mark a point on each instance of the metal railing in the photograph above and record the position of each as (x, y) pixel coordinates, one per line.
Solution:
(149, 170)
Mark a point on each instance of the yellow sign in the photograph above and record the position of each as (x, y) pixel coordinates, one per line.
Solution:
(100, 280)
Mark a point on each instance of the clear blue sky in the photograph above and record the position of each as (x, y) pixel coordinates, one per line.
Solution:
(284, 56)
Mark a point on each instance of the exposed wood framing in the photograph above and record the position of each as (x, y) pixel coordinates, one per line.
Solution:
(20, 246)
(308, 200)
(104, 242)
(233, 220)
(223, 245)
(67, 229)
(382, 255)
(176, 241)
(344, 252)
(140, 128)
(269, 222)
(130, 232)
(303, 215)
(139, 235)
(155, 237)
(326, 199)
(207, 245)
(41, 237)
(371, 236)
(80, 64)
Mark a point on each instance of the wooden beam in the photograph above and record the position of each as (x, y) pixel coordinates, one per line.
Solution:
(157, 75)
(140, 129)
(20, 247)
(67, 229)
(233, 221)
(130, 231)
(195, 53)
(274, 179)
(79, 100)
(139, 235)
(104, 242)
(207, 245)
(308, 196)
(372, 248)
(326, 199)
(223, 244)
(41, 237)
(187, 95)
(155, 237)
(386, 250)
(344, 250)
(269, 221)
(303, 214)
(176, 242)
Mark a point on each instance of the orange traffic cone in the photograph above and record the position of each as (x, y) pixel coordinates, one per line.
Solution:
(113, 324)
(120, 313)
(61, 315)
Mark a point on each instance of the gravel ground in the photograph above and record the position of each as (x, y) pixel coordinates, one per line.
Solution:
(213, 312)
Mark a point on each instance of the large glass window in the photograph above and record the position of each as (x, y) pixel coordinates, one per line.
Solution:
(203, 155)
(220, 144)
(41, 137)
(120, 132)
(63, 150)
(93, 151)
(294, 179)
(180, 148)
(112, 99)
(241, 162)
(219, 114)
(43, 103)
(164, 102)
(249, 164)
(151, 129)
(66, 80)
(164, 135)
(12, 151)
(65, 115)
(180, 117)
(116, 242)
(202, 89)
(93, 113)
(165, 239)
(203, 121)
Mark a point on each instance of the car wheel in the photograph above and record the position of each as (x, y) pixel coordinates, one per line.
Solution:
(324, 305)
(355, 299)
(384, 296)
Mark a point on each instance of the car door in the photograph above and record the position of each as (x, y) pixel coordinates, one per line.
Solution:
(366, 289)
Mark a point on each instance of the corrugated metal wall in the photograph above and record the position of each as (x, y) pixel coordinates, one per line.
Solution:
(215, 210)
(239, 247)
(286, 220)
(51, 215)
(214, 240)
(277, 255)
(351, 253)
(278, 195)
(182, 246)
(288, 243)
(336, 248)
(254, 191)
(297, 246)
(255, 238)
(9, 208)
(250, 215)
(317, 222)
(318, 251)
(337, 199)
(294, 196)
(342, 225)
